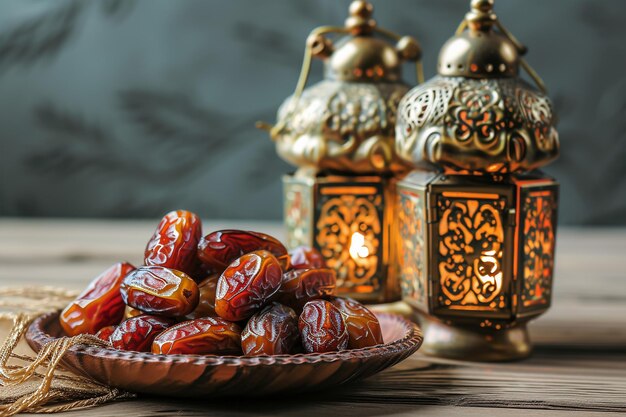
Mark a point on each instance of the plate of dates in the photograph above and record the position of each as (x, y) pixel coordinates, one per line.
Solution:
(229, 313)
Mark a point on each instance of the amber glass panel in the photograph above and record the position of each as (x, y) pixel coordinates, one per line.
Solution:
(349, 236)
(538, 208)
(469, 252)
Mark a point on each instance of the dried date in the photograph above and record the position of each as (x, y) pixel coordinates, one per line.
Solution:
(99, 305)
(219, 249)
(137, 333)
(305, 257)
(322, 327)
(209, 335)
(174, 243)
(246, 285)
(272, 331)
(206, 305)
(300, 286)
(162, 291)
(362, 325)
(105, 333)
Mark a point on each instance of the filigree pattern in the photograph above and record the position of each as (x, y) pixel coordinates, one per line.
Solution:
(470, 253)
(340, 218)
(493, 125)
(538, 228)
(537, 111)
(338, 125)
(426, 103)
(412, 246)
(475, 117)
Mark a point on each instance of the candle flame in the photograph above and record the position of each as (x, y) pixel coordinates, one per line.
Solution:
(357, 246)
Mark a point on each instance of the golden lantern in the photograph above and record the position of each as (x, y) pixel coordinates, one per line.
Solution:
(340, 133)
(477, 221)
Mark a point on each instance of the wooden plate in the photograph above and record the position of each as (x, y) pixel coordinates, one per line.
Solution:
(209, 375)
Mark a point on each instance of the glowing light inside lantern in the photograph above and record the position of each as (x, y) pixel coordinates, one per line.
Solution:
(357, 246)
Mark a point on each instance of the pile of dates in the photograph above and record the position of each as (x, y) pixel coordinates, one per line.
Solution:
(230, 292)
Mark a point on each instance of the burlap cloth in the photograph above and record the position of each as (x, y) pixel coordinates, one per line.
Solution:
(39, 384)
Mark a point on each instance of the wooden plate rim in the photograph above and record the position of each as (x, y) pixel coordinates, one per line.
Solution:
(412, 340)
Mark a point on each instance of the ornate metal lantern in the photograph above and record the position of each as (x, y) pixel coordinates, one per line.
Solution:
(477, 227)
(340, 133)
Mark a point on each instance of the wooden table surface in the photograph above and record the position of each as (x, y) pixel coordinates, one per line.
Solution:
(578, 367)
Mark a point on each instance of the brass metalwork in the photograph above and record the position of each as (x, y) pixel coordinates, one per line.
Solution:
(478, 116)
(349, 219)
(477, 233)
(340, 133)
(466, 344)
(476, 256)
(489, 125)
(345, 127)
(346, 122)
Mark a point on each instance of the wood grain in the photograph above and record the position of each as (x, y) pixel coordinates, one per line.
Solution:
(579, 364)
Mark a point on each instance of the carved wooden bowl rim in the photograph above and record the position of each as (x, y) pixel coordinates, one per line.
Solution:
(37, 336)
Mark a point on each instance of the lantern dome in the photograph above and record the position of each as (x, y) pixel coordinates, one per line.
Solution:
(346, 122)
(478, 115)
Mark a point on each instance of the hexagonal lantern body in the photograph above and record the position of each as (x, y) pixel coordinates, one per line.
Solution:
(477, 232)
(340, 133)
(477, 252)
(349, 219)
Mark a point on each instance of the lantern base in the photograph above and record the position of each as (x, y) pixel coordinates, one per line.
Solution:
(459, 343)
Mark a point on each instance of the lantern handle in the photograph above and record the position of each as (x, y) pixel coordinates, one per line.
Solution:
(521, 48)
(275, 130)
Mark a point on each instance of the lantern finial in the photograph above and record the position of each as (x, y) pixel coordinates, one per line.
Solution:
(360, 21)
(481, 16)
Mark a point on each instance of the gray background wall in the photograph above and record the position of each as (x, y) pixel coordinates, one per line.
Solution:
(128, 108)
